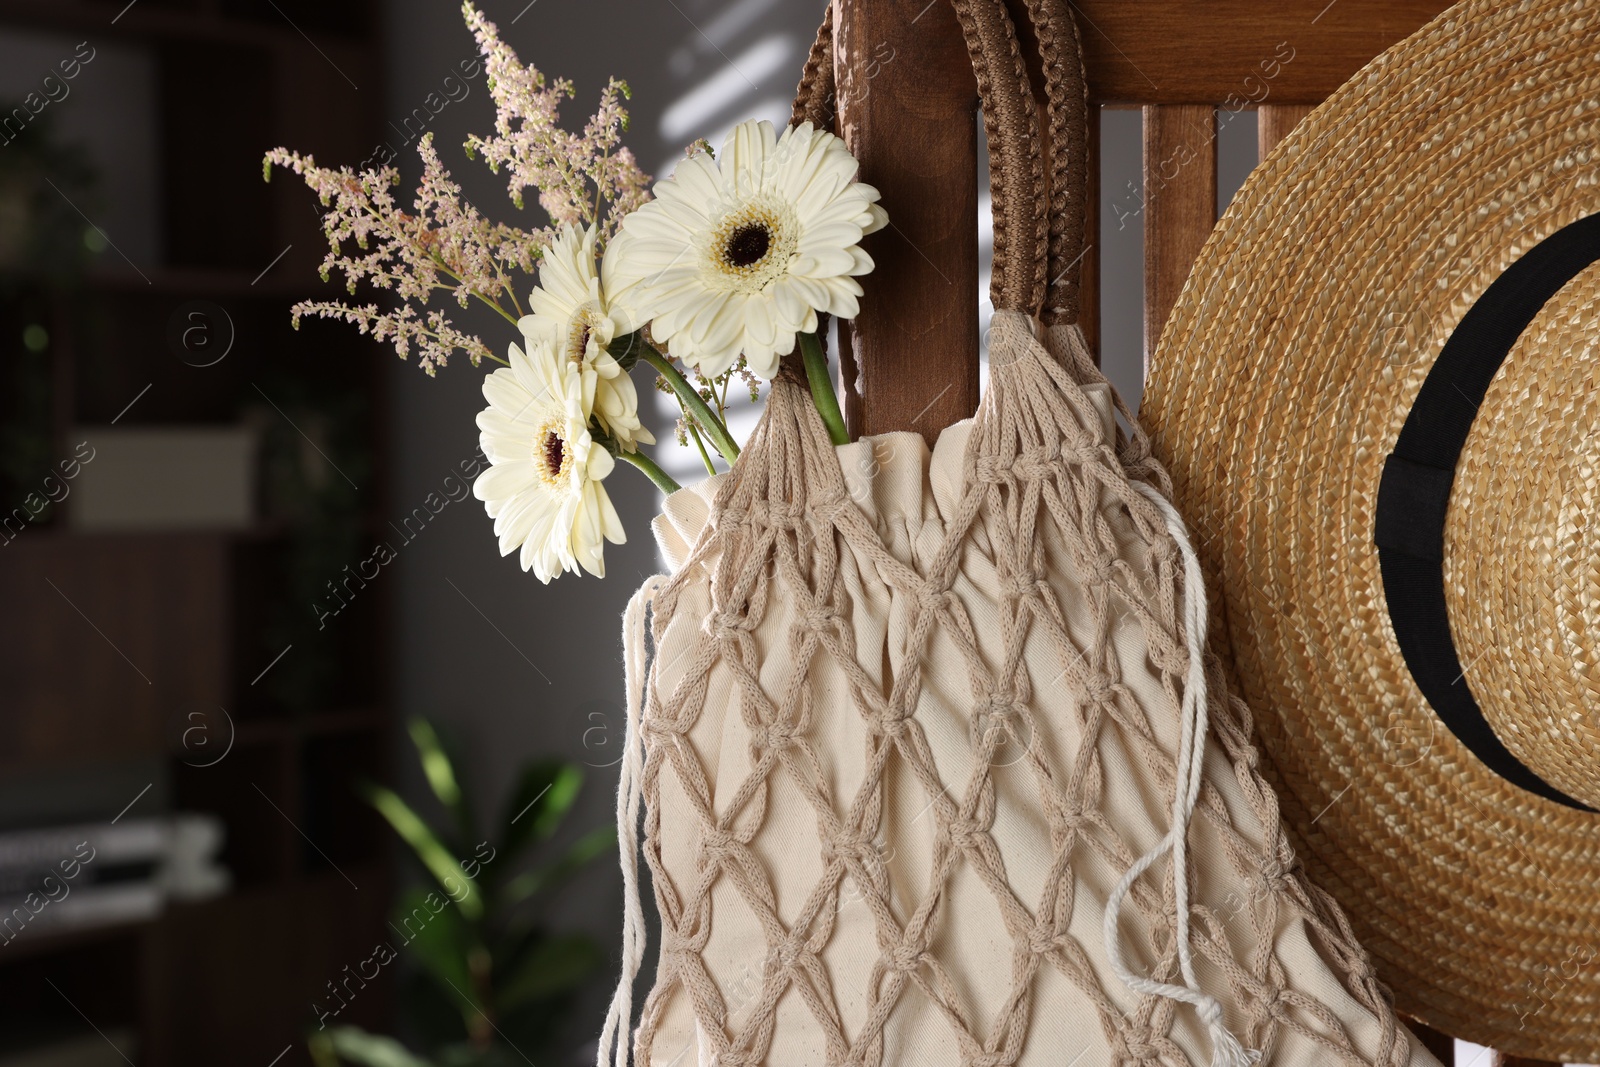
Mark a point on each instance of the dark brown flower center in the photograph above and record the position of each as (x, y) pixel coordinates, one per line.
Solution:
(554, 452)
(748, 244)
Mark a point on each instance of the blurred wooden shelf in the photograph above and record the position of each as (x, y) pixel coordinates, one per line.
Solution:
(111, 639)
(200, 21)
(32, 943)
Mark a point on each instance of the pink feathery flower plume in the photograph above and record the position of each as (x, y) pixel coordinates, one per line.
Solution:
(581, 178)
(445, 243)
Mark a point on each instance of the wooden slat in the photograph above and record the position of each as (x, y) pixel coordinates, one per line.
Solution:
(145, 618)
(1273, 123)
(907, 102)
(1237, 52)
(1500, 1059)
(1089, 300)
(1443, 1046)
(1180, 191)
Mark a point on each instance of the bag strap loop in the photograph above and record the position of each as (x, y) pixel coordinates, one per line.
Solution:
(1039, 218)
(1066, 89)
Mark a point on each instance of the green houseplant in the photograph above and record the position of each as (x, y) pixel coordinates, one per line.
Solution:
(489, 979)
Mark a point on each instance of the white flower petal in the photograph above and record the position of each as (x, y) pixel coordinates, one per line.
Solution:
(542, 487)
(684, 264)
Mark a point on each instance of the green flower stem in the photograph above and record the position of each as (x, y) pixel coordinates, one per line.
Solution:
(694, 404)
(822, 393)
(655, 473)
(705, 457)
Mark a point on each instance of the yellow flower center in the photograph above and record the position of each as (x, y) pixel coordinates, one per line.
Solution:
(751, 244)
(551, 454)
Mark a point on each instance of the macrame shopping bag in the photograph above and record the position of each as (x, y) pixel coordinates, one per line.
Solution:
(932, 765)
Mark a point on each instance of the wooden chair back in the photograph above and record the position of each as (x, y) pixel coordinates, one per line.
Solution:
(906, 103)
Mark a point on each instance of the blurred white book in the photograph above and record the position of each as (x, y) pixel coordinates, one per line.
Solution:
(94, 874)
(114, 1048)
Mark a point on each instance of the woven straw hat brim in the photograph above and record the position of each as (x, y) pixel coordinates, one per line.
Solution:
(1280, 386)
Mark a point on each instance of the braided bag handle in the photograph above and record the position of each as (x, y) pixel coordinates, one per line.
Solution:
(1064, 198)
(1022, 242)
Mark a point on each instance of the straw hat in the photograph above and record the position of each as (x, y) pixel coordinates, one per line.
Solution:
(1379, 397)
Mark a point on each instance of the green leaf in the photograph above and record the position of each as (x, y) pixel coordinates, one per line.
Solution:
(371, 1050)
(583, 852)
(439, 861)
(437, 768)
(541, 801)
(469, 1055)
(435, 932)
(549, 967)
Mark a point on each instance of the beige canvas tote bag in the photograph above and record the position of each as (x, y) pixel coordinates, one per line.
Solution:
(931, 765)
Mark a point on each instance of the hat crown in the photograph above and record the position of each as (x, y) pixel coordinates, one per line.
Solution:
(1522, 545)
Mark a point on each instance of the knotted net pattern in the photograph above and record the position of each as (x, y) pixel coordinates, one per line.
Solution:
(1039, 470)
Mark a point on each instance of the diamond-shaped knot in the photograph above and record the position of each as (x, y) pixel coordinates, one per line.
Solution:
(845, 845)
(1171, 657)
(1041, 938)
(659, 729)
(1103, 566)
(1274, 872)
(1097, 686)
(1015, 587)
(1035, 463)
(787, 951)
(995, 721)
(905, 958)
(726, 624)
(772, 736)
(988, 471)
(1134, 1045)
(962, 831)
(1272, 1005)
(1090, 451)
(815, 618)
(937, 600)
(779, 514)
(890, 722)
(827, 509)
(1001, 701)
(715, 842)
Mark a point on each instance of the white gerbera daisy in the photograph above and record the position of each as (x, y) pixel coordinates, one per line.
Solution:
(568, 309)
(741, 254)
(543, 487)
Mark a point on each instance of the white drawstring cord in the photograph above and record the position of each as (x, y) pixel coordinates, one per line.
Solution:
(630, 798)
(1226, 1049)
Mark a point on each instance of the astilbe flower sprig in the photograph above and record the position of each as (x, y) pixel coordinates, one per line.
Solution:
(582, 179)
(444, 244)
